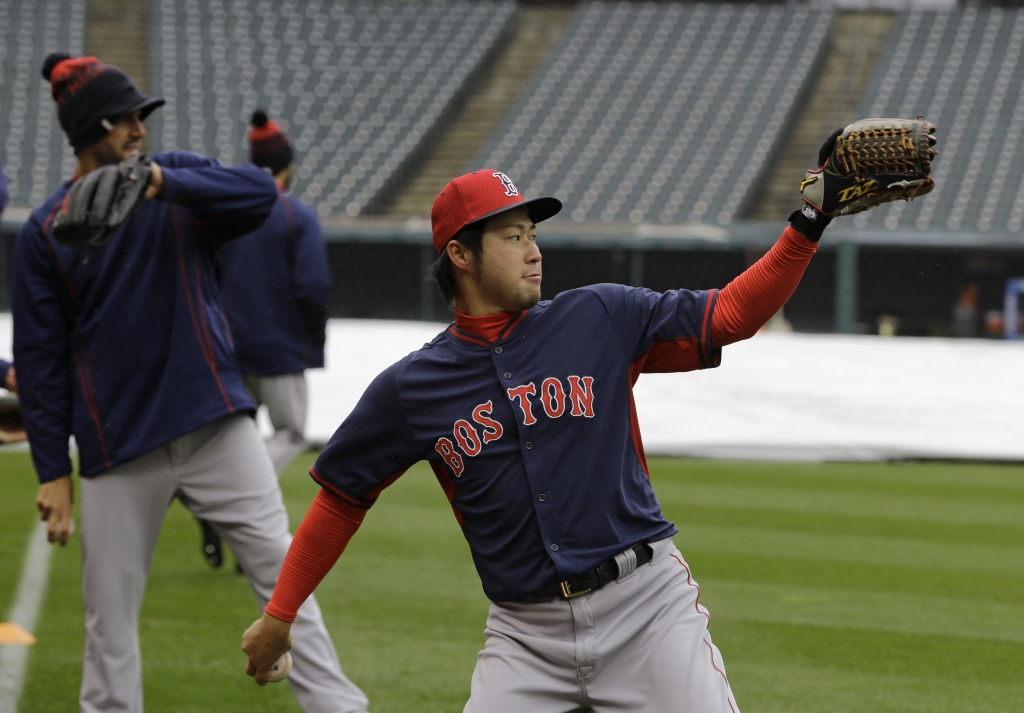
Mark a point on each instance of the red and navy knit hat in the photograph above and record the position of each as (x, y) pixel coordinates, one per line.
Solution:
(478, 196)
(268, 145)
(91, 96)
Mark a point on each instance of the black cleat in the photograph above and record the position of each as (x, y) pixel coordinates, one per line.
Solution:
(213, 550)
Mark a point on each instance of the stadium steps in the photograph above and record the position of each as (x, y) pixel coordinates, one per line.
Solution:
(117, 32)
(858, 39)
(537, 31)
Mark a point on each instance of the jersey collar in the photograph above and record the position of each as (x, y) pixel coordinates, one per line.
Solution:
(487, 329)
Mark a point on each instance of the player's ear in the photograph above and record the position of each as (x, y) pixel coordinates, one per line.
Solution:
(459, 255)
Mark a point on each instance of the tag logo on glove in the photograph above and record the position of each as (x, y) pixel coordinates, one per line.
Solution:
(857, 191)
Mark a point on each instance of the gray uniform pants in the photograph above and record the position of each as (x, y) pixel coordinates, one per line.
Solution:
(285, 399)
(639, 644)
(221, 473)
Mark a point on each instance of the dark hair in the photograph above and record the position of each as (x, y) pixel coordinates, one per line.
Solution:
(472, 238)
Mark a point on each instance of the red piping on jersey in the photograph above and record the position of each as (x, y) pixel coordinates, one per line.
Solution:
(634, 422)
(704, 343)
(78, 348)
(206, 332)
(513, 324)
(375, 493)
(85, 378)
(353, 501)
(53, 253)
(456, 332)
(445, 481)
(205, 347)
(489, 327)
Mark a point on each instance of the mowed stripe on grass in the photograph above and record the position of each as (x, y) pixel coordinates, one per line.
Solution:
(858, 587)
(832, 588)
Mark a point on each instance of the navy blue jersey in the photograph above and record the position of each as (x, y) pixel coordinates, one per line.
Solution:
(275, 283)
(534, 438)
(126, 345)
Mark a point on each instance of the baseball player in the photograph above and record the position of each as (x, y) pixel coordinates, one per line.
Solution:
(524, 410)
(276, 286)
(125, 347)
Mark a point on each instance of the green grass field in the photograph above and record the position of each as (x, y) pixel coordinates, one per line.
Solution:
(832, 588)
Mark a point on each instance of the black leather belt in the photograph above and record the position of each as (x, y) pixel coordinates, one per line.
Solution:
(592, 579)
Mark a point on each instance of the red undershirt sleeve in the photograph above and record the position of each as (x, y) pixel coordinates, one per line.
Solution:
(748, 302)
(321, 538)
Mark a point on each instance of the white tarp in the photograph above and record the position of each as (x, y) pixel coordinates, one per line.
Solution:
(776, 396)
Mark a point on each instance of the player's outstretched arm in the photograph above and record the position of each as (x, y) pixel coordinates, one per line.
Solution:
(748, 302)
(322, 536)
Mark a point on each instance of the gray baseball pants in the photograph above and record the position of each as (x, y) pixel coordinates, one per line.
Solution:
(640, 644)
(222, 474)
(285, 398)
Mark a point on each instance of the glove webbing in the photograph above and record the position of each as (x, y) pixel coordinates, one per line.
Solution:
(884, 150)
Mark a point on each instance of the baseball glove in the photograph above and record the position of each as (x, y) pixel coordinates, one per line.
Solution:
(100, 202)
(871, 161)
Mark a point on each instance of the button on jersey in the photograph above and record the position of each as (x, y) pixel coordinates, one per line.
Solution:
(535, 438)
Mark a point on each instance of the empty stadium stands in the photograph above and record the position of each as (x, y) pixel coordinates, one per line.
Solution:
(661, 112)
(359, 86)
(33, 148)
(964, 71)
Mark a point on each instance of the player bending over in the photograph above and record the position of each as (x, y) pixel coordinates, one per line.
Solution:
(524, 410)
(123, 344)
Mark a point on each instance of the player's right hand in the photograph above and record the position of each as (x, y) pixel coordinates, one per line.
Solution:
(54, 502)
(265, 642)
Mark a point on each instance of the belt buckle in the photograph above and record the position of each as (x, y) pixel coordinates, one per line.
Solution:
(568, 593)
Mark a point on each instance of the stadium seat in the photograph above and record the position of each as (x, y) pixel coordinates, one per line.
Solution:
(360, 87)
(660, 112)
(963, 71)
(33, 148)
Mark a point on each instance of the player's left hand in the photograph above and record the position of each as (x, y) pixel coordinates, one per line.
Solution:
(265, 642)
(54, 503)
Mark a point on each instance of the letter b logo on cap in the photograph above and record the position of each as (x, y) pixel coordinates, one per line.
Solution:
(510, 188)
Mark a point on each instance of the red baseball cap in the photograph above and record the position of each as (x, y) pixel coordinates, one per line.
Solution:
(477, 196)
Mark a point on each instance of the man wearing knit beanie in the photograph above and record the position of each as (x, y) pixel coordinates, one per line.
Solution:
(276, 285)
(125, 346)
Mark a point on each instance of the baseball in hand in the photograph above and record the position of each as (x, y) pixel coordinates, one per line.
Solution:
(280, 670)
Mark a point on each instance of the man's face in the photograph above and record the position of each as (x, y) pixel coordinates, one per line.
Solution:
(122, 142)
(509, 271)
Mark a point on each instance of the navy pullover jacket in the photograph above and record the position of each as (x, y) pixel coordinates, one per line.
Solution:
(126, 346)
(275, 284)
